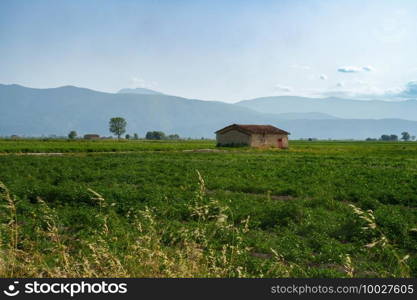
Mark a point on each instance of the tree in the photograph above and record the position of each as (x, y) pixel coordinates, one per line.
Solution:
(393, 137)
(117, 126)
(413, 137)
(155, 135)
(173, 137)
(135, 136)
(72, 135)
(405, 136)
(385, 137)
(127, 136)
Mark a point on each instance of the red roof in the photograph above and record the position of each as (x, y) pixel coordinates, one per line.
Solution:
(250, 129)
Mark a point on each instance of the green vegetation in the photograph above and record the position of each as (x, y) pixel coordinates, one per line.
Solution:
(72, 135)
(405, 136)
(101, 145)
(392, 137)
(160, 135)
(155, 135)
(117, 126)
(167, 209)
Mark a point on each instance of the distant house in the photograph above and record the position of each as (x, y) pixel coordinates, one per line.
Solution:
(252, 135)
(91, 136)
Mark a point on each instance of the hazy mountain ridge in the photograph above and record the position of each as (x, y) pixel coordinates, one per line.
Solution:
(35, 112)
(337, 107)
(27, 111)
(305, 116)
(141, 91)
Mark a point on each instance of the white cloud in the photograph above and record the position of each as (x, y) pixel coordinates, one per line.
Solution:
(282, 88)
(362, 90)
(137, 82)
(352, 90)
(410, 90)
(323, 77)
(358, 90)
(355, 69)
(367, 68)
(349, 69)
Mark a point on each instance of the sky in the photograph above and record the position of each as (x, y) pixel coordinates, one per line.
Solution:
(214, 50)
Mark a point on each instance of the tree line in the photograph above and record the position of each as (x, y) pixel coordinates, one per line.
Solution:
(117, 126)
(405, 136)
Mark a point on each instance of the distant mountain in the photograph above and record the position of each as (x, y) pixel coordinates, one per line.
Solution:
(35, 112)
(341, 108)
(347, 128)
(305, 116)
(141, 91)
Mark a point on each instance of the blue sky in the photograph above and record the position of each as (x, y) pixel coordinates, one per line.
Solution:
(214, 50)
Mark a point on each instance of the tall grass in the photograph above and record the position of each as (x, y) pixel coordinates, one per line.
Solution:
(208, 242)
(382, 245)
(10, 228)
(49, 250)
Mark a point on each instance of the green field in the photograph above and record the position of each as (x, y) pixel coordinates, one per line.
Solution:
(166, 209)
(65, 146)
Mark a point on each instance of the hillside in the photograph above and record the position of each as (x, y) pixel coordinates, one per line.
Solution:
(141, 91)
(341, 108)
(36, 112)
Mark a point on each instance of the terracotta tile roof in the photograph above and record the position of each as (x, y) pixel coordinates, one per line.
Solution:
(258, 129)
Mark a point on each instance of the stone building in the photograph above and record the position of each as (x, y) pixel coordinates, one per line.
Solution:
(253, 136)
(91, 136)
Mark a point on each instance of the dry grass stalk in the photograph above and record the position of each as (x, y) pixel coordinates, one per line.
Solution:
(51, 251)
(382, 241)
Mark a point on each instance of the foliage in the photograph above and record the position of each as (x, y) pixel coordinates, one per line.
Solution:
(155, 135)
(320, 209)
(386, 137)
(72, 135)
(173, 137)
(405, 136)
(159, 135)
(117, 126)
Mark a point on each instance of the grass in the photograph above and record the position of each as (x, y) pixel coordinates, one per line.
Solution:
(80, 145)
(320, 209)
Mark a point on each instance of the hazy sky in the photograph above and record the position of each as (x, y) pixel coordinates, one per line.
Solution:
(219, 50)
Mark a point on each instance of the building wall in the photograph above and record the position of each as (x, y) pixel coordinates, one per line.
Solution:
(235, 137)
(232, 137)
(91, 136)
(268, 140)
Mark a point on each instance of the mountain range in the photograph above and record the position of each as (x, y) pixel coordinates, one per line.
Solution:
(341, 108)
(35, 112)
(141, 91)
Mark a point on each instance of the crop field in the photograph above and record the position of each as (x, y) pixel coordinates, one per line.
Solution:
(62, 145)
(189, 209)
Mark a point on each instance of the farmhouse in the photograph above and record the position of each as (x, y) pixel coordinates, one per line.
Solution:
(252, 135)
(91, 136)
